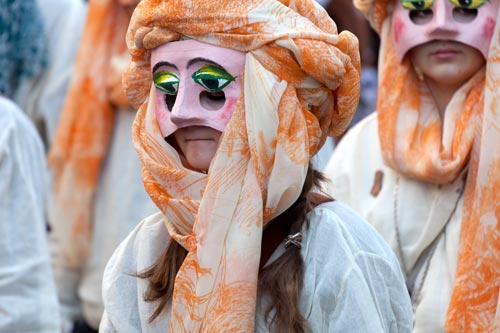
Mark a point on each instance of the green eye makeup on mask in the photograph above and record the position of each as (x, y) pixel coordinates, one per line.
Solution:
(468, 4)
(166, 82)
(427, 4)
(212, 78)
(417, 4)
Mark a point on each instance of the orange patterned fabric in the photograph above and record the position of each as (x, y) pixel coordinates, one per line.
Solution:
(86, 124)
(300, 83)
(417, 143)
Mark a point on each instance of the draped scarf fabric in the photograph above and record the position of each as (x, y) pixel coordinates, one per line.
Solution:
(300, 83)
(414, 144)
(86, 124)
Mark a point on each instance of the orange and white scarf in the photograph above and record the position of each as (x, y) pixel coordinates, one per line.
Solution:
(416, 143)
(301, 82)
(86, 124)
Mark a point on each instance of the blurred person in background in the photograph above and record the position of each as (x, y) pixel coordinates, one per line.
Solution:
(97, 194)
(28, 300)
(425, 170)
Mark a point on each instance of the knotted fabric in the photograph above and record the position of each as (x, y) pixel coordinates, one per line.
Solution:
(417, 143)
(300, 83)
(86, 124)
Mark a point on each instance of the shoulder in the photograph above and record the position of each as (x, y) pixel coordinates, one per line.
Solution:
(12, 117)
(366, 128)
(355, 142)
(17, 126)
(353, 281)
(21, 149)
(334, 227)
(122, 289)
(138, 251)
(354, 163)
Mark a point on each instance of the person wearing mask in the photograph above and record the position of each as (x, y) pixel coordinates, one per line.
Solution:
(425, 170)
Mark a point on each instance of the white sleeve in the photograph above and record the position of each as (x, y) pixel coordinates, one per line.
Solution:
(28, 300)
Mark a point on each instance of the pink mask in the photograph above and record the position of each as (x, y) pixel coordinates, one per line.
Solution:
(197, 84)
(444, 20)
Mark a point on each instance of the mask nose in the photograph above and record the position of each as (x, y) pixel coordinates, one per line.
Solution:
(186, 102)
(442, 26)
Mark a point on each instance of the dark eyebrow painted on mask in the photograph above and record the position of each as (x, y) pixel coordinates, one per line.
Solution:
(163, 63)
(208, 61)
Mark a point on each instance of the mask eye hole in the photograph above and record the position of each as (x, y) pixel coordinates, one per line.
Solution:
(212, 101)
(464, 15)
(170, 101)
(420, 17)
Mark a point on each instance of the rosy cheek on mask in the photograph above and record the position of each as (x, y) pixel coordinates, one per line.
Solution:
(398, 27)
(228, 110)
(162, 115)
(488, 28)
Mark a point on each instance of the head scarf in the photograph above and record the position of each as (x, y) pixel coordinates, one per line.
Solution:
(86, 124)
(300, 83)
(413, 144)
(23, 48)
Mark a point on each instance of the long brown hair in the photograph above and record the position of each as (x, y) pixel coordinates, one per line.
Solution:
(283, 289)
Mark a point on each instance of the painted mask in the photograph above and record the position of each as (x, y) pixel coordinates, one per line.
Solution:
(470, 22)
(197, 84)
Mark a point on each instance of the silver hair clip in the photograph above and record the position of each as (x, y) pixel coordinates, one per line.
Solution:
(295, 239)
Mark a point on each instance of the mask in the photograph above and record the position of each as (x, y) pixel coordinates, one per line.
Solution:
(418, 22)
(197, 84)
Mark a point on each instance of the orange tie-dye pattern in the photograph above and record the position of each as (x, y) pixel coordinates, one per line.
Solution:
(295, 65)
(85, 126)
(473, 144)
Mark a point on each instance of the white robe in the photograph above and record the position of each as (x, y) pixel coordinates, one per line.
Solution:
(352, 281)
(28, 301)
(422, 211)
